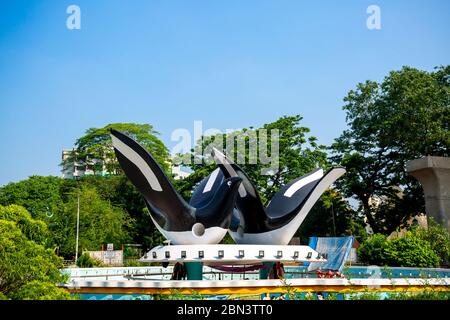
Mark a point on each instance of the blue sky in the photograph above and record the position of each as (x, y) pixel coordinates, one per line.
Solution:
(230, 64)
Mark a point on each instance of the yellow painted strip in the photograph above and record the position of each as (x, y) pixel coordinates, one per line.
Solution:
(258, 290)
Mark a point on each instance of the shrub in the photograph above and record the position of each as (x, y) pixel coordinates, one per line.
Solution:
(36, 290)
(373, 250)
(130, 252)
(86, 261)
(439, 239)
(411, 251)
(366, 296)
(134, 263)
(424, 295)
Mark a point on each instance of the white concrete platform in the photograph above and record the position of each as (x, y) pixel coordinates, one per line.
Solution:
(232, 254)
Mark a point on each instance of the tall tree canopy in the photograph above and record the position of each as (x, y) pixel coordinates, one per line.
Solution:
(297, 155)
(41, 196)
(404, 117)
(95, 150)
(100, 222)
(53, 202)
(27, 269)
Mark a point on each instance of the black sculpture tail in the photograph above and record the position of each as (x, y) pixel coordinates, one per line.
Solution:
(168, 209)
(148, 177)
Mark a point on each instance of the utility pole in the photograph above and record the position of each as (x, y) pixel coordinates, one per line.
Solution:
(78, 218)
(332, 214)
(78, 225)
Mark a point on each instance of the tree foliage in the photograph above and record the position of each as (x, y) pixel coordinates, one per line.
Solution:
(408, 251)
(100, 222)
(26, 265)
(34, 230)
(121, 193)
(38, 290)
(372, 251)
(406, 116)
(298, 154)
(86, 261)
(101, 219)
(411, 251)
(118, 210)
(439, 239)
(41, 196)
(95, 150)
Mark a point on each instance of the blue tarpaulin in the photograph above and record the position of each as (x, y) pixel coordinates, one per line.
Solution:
(337, 250)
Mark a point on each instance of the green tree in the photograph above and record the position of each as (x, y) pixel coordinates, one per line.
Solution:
(38, 290)
(298, 154)
(406, 116)
(26, 266)
(35, 230)
(121, 193)
(95, 150)
(142, 229)
(41, 196)
(100, 222)
(37, 194)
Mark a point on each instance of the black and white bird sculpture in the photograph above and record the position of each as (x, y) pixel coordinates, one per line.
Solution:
(205, 220)
(277, 223)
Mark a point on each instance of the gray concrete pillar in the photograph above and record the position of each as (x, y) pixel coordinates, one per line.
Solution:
(434, 175)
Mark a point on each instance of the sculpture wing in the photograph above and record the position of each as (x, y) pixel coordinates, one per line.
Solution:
(287, 202)
(291, 196)
(148, 177)
(250, 208)
(206, 189)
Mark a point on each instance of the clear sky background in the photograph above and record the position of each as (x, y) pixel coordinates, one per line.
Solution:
(231, 64)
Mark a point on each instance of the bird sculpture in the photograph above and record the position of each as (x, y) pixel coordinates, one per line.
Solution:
(276, 224)
(205, 220)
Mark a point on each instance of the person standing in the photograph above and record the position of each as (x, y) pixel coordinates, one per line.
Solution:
(279, 267)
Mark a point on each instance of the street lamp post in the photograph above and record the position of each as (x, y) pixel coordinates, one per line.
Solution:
(78, 218)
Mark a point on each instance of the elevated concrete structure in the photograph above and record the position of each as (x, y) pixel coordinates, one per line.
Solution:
(434, 175)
